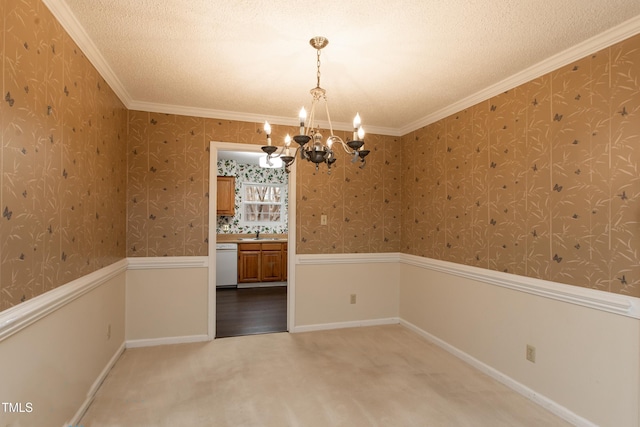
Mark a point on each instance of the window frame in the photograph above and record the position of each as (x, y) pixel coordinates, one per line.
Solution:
(244, 203)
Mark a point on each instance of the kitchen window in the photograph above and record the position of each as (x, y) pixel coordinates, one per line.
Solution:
(263, 204)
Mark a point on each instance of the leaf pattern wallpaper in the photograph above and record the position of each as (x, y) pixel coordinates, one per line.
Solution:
(540, 181)
(168, 180)
(63, 135)
(168, 170)
(362, 205)
(168, 177)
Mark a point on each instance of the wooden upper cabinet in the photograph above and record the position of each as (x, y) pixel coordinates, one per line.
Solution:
(226, 198)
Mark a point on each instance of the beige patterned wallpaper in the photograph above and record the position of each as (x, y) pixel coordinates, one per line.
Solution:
(362, 205)
(168, 184)
(541, 181)
(168, 164)
(63, 154)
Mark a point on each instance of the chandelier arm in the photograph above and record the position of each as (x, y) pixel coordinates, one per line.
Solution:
(345, 147)
(312, 115)
(278, 153)
(287, 159)
(326, 107)
(312, 118)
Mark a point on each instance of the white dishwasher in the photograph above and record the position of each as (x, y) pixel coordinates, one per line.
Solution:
(226, 265)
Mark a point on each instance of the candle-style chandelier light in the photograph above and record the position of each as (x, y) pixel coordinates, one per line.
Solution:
(312, 147)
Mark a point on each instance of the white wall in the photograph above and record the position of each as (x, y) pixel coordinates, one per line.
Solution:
(167, 298)
(55, 349)
(587, 342)
(586, 358)
(166, 302)
(324, 284)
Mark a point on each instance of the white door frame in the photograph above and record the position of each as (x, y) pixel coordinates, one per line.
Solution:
(214, 147)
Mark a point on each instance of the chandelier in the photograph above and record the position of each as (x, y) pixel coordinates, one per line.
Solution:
(311, 145)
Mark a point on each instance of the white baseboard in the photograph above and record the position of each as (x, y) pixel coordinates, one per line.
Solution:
(261, 285)
(75, 420)
(151, 342)
(341, 325)
(525, 391)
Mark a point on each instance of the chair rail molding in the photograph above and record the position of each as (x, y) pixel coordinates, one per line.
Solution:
(152, 263)
(605, 301)
(20, 316)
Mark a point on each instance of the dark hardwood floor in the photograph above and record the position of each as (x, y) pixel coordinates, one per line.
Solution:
(250, 311)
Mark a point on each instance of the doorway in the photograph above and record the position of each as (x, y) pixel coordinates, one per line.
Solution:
(248, 309)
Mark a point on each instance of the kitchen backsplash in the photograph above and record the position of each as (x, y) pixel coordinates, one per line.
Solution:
(253, 174)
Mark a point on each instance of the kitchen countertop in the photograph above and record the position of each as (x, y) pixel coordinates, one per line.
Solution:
(251, 238)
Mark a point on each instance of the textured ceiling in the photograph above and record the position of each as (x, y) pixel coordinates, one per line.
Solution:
(397, 63)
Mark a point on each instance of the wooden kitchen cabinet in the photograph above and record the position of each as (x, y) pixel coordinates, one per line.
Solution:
(226, 196)
(249, 262)
(262, 262)
(285, 258)
(271, 262)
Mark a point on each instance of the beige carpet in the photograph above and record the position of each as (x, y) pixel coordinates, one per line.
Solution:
(375, 376)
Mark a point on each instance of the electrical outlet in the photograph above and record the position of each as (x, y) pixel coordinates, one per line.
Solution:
(531, 353)
(323, 220)
(353, 298)
(109, 331)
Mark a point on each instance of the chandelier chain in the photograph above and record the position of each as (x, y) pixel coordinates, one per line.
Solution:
(318, 85)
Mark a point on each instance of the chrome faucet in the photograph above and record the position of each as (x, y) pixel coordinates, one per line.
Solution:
(258, 234)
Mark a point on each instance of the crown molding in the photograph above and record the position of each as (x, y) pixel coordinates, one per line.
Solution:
(248, 117)
(67, 19)
(601, 41)
(76, 31)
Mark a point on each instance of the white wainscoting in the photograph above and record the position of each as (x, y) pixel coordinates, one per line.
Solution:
(325, 283)
(14, 319)
(58, 347)
(587, 370)
(599, 300)
(587, 367)
(588, 342)
(167, 301)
